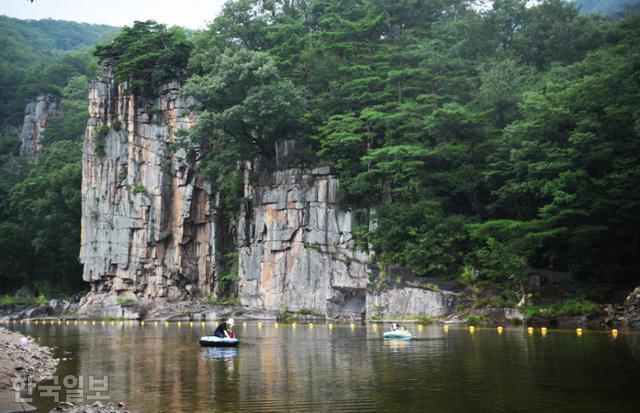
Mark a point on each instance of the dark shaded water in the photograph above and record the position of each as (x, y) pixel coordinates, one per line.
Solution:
(302, 368)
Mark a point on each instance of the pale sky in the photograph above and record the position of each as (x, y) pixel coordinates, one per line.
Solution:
(192, 14)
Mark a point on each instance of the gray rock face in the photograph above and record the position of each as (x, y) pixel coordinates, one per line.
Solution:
(150, 233)
(146, 222)
(296, 247)
(628, 313)
(36, 115)
(409, 302)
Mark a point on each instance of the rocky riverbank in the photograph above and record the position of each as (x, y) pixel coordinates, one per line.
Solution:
(406, 302)
(21, 358)
(96, 407)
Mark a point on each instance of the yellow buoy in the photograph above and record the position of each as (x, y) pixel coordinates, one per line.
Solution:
(67, 322)
(614, 332)
(500, 329)
(472, 329)
(275, 324)
(179, 323)
(446, 328)
(166, 324)
(59, 322)
(84, 322)
(579, 332)
(203, 324)
(310, 325)
(75, 322)
(142, 323)
(51, 322)
(244, 324)
(260, 324)
(420, 326)
(293, 325)
(190, 323)
(35, 322)
(155, 324)
(543, 330)
(330, 326)
(530, 330)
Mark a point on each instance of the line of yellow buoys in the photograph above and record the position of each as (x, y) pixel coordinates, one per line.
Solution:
(202, 324)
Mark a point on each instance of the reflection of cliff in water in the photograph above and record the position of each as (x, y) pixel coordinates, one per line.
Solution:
(344, 368)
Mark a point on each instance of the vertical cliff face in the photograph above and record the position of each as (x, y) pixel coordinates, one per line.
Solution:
(36, 115)
(150, 229)
(147, 227)
(296, 247)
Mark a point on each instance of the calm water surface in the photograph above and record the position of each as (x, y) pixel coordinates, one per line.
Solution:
(303, 368)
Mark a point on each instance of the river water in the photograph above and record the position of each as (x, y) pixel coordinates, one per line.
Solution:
(343, 368)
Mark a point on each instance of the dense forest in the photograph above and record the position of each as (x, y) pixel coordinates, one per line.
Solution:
(40, 204)
(473, 143)
(28, 48)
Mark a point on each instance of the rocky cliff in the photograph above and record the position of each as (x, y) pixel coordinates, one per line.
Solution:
(296, 247)
(36, 114)
(147, 231)
(150, 231)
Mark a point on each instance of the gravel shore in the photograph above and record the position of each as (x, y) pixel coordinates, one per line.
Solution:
(21, 357)
(96, 407)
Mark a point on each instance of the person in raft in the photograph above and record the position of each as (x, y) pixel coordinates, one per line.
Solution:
(396, 327)
(224, 329)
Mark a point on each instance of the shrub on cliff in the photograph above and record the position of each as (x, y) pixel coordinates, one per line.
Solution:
(145, 54)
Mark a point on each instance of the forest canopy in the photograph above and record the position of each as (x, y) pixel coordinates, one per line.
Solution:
(481, 143)
(25, 59)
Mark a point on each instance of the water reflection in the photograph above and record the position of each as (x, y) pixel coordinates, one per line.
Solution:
(219, 353)
(351, 368)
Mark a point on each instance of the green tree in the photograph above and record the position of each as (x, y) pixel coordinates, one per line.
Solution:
(146, 54)
(47, 211)
(246, 106)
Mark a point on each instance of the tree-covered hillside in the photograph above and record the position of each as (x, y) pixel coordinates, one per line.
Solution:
(40, 204)
(473, 144)
(483, 143)
(480, 143)
(28, 48)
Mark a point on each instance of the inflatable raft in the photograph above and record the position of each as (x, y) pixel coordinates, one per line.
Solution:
(401, 334)
(213, 341)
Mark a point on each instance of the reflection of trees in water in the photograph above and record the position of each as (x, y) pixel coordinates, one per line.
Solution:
(164, 369)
